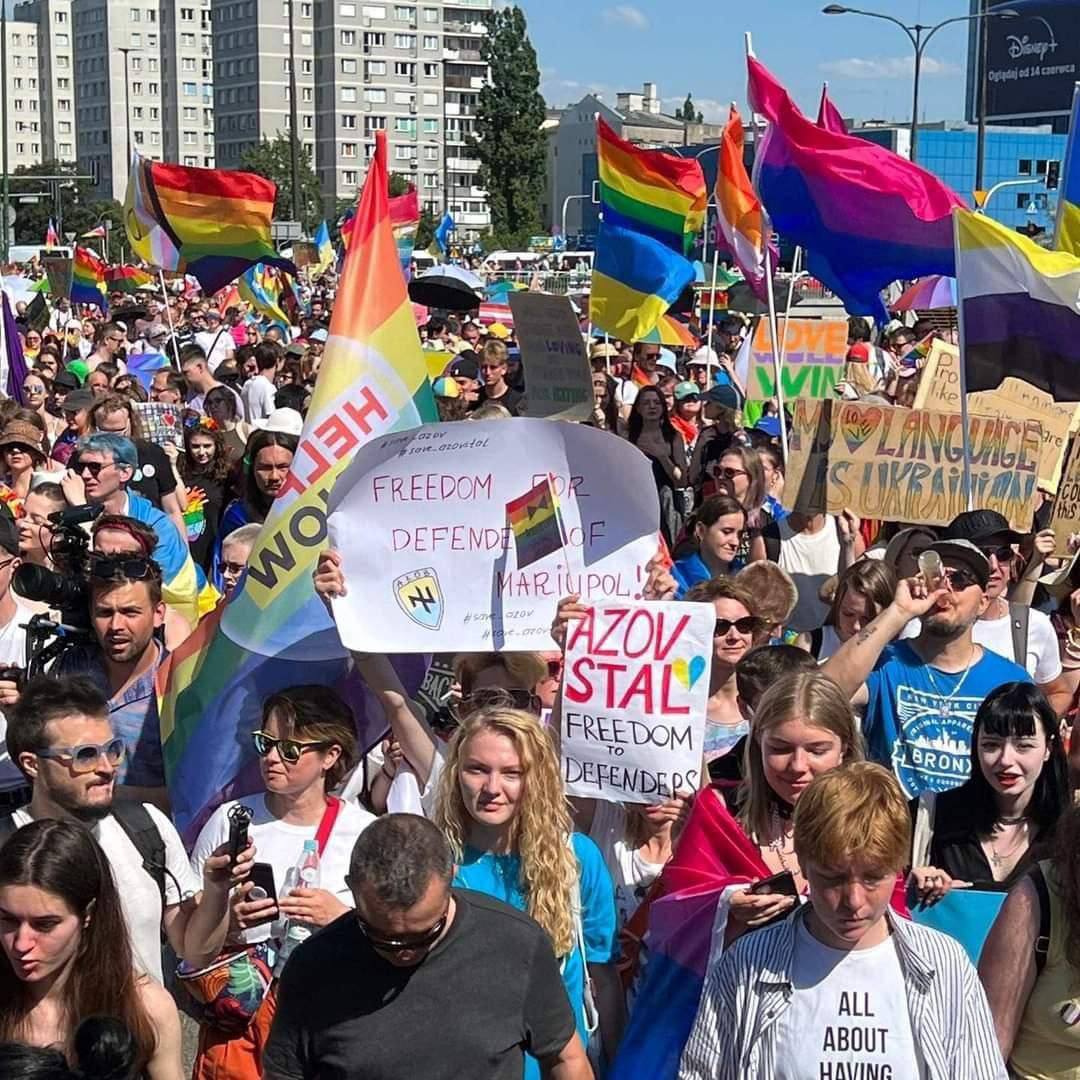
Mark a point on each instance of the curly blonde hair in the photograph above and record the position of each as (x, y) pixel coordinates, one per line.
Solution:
(541, 829)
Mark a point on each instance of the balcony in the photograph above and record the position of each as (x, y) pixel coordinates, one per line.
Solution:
(463, 82)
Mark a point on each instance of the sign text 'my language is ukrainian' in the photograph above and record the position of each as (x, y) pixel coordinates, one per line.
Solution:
(907, 465)
(463, 537)
(635, 691)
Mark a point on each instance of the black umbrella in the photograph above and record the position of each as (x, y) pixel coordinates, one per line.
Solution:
(447, 287)
(740, 297)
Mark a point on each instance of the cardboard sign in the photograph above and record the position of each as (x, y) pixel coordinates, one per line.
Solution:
(558, 377)
(635, 691)
(58, 270)
(462, 537)
(939, 383)
(161, 423)
(1012, 401)
(816, 350)
(1065, 517)
(906, 465)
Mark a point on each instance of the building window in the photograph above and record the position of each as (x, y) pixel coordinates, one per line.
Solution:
(404, 14)
(190, 89)
(373, 11)
(135, 15)
(190, 138)
(1023, 167)
(431, 153)
(431, 71)
(431, 127)
(347, 11)
(348, 121)
(431, 41)
(187, 63)
(349, 177)
(404, 69)
(431, 15)
(375, 67)
(374, 40)
(348, 93)
(404, 153)
(430, 98)
(348, 149)
(187, 14)
(1022, 201)
(61, 41)
(376, 97)
(431, 179)
(348, 37)
(405, 125)
(373, 124)
(348, 66)
(404, 41)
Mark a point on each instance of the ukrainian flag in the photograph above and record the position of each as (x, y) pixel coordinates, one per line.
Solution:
(324, 247)
(1067, 235)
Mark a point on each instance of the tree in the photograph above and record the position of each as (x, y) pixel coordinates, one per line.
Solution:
(509, 143)
(425, 230)
(687, 113)
(271, 158)
(399, 185)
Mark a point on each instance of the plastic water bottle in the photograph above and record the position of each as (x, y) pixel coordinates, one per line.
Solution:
(306, 874)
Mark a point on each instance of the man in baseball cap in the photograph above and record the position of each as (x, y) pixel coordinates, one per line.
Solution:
(1012, 630)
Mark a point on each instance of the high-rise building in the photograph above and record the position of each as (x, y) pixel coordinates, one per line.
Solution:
(411, 68)
(23, 94)
(143, 82)
(54, 78)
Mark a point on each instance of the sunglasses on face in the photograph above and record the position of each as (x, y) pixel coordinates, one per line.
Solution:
(1003, 554)
(748, 624)
(688, 399)
(113, 567)
(959, 578)
(85, 756)
(234, 568)
(399, 945)
(730, 474)
(32, 388)
(92, 467)
(289, 750)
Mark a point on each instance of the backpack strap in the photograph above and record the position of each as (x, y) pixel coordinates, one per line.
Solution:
(139, 827)
(1019, 620)
(817, 637)
(1042, 942)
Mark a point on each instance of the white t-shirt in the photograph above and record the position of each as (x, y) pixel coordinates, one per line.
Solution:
(631, 872)
(217, 345)
(258, 397)
(139, 896)
(1043, 660)
(809, 558)
(626, 392)
(848, 1015)
(12, 653)
(280, 845)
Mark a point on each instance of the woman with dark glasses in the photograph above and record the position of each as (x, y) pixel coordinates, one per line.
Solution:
(305, 745)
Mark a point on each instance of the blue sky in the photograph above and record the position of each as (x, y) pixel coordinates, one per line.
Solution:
(697, 45)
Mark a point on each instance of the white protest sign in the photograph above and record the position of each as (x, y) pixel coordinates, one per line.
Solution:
(635, 690)
(558, 378)
(462, 537)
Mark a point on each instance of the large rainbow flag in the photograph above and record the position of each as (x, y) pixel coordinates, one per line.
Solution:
(275, 632)
(87, 275)
(739, 215)
(213, 223)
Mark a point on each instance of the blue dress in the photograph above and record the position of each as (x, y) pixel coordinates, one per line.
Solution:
(500, 876)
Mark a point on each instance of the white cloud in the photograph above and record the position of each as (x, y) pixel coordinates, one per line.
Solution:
(888, 67)
(559, 92)
(714, 111)
(626, 15)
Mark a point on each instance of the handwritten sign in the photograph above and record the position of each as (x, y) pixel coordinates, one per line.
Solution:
(462, 537)
(58, 270)
(1026, 394)
(558, 378)
(635, 690)
(816, 350)
(939, 382)
(1065, 517)
(907, 464)
(160, 423)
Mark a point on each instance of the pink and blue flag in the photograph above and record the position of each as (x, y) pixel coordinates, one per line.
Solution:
(828, 115)
(865, 216)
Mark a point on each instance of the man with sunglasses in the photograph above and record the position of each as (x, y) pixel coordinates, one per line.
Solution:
(921, 694)
(1015, 631)
(61, 739)
(110, 341)
(422, 980)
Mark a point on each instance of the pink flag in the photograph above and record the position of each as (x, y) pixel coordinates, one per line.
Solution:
(828, 115)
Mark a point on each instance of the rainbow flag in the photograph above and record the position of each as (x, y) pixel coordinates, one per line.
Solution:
(404, 218)
(274, 632)
(739, 217)
(324, 248)
(635, 280)
(650, 191)
(536, 523)
(669, 331)
(87, 275)
(212, 223)
(127, 279)
(260, 286)
(865, 216)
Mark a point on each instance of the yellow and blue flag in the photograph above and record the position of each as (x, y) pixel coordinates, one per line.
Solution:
(324, 247)
(1067, 232)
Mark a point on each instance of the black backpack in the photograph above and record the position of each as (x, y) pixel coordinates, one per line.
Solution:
(139, 828)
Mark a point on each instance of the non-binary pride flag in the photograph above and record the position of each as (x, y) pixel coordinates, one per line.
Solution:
(1018, 308)
(212, 223)
(275, 632)
(739, 216)
(87, 275)
(650, 191)
(536, 523)
(865, 216)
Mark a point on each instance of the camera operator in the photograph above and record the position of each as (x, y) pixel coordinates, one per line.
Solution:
(103, 466)
(14, 614)
(125, 610)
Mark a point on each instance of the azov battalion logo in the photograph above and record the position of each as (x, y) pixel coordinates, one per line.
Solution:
(420, 597)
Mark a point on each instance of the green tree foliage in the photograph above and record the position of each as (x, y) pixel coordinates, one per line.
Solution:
(425, 230)
(271, 158)
(688, 114)
(399, 184)
(509, 143)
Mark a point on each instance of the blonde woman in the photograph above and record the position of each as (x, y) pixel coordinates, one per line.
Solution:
(502, 807)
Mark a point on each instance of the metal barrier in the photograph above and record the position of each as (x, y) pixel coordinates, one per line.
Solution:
(557, 282)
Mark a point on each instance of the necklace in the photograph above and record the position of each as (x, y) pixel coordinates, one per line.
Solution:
(945, 706)
(1001, 858)
(778, 844)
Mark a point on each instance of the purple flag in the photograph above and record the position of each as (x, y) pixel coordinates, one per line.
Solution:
(14, 361)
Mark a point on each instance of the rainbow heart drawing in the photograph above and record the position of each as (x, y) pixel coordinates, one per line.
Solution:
(858, 423)
(687, 672)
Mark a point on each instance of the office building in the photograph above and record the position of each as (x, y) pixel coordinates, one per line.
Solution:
(24, 132)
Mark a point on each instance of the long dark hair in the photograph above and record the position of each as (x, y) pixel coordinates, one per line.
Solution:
(1015, 710)
(258, 504)
(609, 406)
(635, 423)
(63, 858)
(219, 466)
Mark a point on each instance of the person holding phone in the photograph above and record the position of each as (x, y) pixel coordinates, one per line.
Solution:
(306, 744)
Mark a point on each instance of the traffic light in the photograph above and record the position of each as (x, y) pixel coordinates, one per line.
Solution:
(1053, 174)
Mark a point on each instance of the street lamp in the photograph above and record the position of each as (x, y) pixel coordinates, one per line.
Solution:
(919, 36)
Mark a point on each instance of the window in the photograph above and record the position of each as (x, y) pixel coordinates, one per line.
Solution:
(136, 63)
(61, 17)
(62, 41)
(373, 124)
(375, 67)
(306, 94)
(305, 38)
(405, 124)
(431, 179)
(187, 14)
(307, 123)
(135, 15)
(348, 66)
(374, 40)
(348, 93)
(349, 177)
(348, 37)
(404, 153)
(429, 97)
(431, 15)
(187, 63)
(431, 41)
(403, 68)
(348, 121)
(347, 11)
(404, 13)
(431, 153)
(65, 149)
(190, 138)
(431, 127)
(373, 11)
(1023, 168)
(190, 112)
(404, 41)
(1022, 201)
(136, 39)
(187, 41)
(348, 149)
(376, 97)
(136, 87)
(190, 89)
(138, 137)
(431, 71)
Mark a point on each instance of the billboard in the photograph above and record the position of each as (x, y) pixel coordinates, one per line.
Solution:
(1033, 60)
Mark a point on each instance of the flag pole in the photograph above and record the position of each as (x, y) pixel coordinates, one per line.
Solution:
(168, 316)
(961, 366)
(795, 260)
(712, 303)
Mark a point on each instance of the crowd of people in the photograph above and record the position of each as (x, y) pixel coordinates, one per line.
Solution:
(883, 732)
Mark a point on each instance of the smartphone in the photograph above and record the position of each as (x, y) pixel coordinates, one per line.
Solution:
(782, 884)
(239, 818)
(262, 882)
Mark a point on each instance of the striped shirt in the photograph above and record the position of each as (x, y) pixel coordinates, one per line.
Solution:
(735, 1033)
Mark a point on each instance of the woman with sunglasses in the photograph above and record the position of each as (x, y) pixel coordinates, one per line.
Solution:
(65, 953)
(22, 450)
(740, 475)
(649, 429)
(305, 745)
(501, 805)
(36, 390)
(686, 414)
(716, 528)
